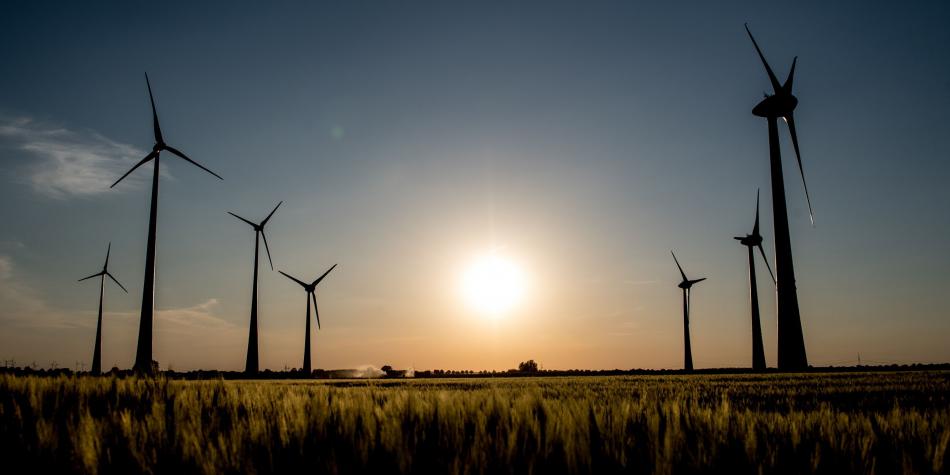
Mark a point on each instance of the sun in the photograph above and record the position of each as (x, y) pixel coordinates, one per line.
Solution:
(492, 285)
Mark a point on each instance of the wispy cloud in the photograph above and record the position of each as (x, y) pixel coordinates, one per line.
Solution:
(11, 244)
(196, 337)
(627, 328)
(6, 268)
(65, 162)
(189, 319)
(188, 337)
(640, 282)
(22, 305)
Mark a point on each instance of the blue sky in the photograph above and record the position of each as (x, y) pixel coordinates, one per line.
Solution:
(581, 141)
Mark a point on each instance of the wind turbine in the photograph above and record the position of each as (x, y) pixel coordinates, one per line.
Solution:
(97, 352)
(686, 284)
(753, 241)
(791, 341)
(310, 288)
(143, 354)
(251, 367)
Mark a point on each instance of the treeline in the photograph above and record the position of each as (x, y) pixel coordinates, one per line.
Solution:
(388, 373)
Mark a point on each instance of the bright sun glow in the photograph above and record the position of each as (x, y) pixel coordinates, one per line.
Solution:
(492, 285)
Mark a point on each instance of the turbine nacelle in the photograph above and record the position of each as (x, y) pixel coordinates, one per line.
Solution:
(160, 145)
(750, 240)
(755, 239)
(687, 284)
(311, 287)
(782, 104)
(311, 292)
(105, 271)
(776, 105)
(259, 228)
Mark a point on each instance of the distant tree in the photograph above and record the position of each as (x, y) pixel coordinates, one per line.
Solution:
(386, 368)
(529, 366)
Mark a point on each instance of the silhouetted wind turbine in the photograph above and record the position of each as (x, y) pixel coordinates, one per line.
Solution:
(251, 367)
(752, 241)
(686, 284)
(97, 352)
(310, 288)
(791, 341)
(143, 354)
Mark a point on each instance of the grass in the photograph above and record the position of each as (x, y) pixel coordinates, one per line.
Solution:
(827, 423)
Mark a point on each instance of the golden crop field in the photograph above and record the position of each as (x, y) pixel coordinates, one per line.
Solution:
(824, 423)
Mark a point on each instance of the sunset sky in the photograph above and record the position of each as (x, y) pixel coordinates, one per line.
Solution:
(577, 143)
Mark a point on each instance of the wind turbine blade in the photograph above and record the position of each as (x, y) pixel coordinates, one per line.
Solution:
(108, 250)
(324, 275)
(755, 229)
(678, 266)
(697, 281)
(293, 278)
(148, 157)
(767, 266)
(157, 128)
(791, 77)
(116, 282)
(242, 219)
(97, 274)
(790, 120)
(177, 152)
(271, 214)
(775, 84)
(266, 248)
(316, 313)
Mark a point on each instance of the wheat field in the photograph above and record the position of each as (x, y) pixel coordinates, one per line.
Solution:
(820, 423)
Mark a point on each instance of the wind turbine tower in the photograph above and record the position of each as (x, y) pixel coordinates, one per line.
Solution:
(752, 241)
(97, 352)
(686, 284)
(143, 353)
(310, 289)
(252, 364)
(781, 104)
